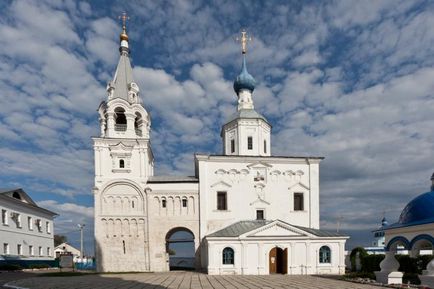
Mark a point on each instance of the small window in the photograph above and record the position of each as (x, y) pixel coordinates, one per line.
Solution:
(48, 251)
(222, 204)
(232, 145)
(18, 220)
(30, 223)
(228, 256)
(47, 227)
(265, 146)
(298, 202)
(19, 249)
(31, 253)
(184, 203)
(6, 248)
(39, 225)
(4, 217)
(249, 143)
(132, 204)
(163, 203)
(123, 245)
(260, 215)
(121, 164)
(40, 251)
(324, 255)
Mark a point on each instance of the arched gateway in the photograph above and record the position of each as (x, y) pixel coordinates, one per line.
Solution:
(180, 247)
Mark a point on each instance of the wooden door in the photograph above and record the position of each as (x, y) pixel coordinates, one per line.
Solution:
(273, 260)
(285, 261)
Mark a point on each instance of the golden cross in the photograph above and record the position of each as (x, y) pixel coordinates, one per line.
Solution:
(124, 19)
(243, 39)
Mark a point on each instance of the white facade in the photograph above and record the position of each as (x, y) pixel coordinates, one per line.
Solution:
(137, 213)
(65, 248)
(26, 230)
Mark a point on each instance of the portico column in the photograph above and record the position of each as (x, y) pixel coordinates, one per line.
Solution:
(427, 277)
(244, 265)
(260, 258)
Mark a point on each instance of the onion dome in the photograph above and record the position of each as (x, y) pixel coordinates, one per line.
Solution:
(420, 209)
(244, 80)
(384, 222)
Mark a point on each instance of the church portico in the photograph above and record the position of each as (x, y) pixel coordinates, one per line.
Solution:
(274, 247)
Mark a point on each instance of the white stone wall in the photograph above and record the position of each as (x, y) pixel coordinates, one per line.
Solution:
(282, 177)
(13, 235)
(136, 154)
(163, 220)
(239, 130)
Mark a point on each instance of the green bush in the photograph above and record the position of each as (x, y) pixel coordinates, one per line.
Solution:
(10, 267)
(371, 263)
(362, 253)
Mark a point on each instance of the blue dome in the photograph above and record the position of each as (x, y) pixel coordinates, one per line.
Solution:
(419, 209)
(244, 80)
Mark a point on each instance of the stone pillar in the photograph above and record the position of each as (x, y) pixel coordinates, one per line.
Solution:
(427, 277)
(131, 132)
(389, 273)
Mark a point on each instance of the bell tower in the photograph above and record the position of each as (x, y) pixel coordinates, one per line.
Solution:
(123, 164)
(123, 149)
(246, 132)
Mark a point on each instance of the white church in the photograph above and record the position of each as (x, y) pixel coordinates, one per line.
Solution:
(244, 212)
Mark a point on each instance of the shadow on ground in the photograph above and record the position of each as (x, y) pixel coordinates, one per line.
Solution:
(96, 281)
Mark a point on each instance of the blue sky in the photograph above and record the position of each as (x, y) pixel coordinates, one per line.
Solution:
(349, 80)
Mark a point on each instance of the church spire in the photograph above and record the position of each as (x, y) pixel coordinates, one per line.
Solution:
(244, 84)
(123, 85)
(124, 36)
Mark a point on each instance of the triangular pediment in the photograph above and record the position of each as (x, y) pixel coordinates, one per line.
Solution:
(299, 185)
(277, 229)
(259, 164)
(259, 201)
(221, 184)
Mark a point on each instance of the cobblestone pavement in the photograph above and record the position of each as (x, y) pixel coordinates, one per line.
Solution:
(184, 280)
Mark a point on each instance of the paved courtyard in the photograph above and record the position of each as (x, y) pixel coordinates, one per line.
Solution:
(183, 280)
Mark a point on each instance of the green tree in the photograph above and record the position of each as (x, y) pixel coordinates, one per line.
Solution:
(59, 239)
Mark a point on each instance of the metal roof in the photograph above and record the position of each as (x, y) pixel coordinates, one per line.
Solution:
(24, 201)
(123, 77)
(173, 179)
(239, 228)
(246, 113)
(242, 227)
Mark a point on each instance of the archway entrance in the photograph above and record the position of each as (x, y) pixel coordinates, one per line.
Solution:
(180, 247)
(278, 261)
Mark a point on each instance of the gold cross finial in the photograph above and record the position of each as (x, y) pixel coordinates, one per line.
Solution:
(124, 19)
(243, 39)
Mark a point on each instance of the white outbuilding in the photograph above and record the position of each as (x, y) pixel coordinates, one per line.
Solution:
(26, 230)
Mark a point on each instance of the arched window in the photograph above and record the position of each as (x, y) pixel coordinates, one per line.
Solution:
(325, 255)
(120, 119)
(121, 164)
(184, 203)
(138, 123)
(163, 203)
(228, 256)
(132, 204)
